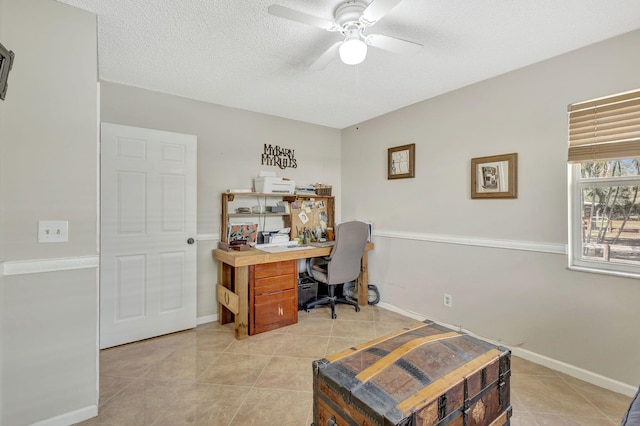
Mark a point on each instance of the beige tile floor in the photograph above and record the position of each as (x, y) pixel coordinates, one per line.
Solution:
(207, 377)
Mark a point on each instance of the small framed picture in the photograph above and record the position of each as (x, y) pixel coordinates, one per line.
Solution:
(495, 176)
(401, 162)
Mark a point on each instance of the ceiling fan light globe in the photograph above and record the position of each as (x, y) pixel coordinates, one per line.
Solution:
(353, 51)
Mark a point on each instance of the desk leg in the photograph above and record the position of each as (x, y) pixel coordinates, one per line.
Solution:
(242, 290)
(224, 277)
(363, 281)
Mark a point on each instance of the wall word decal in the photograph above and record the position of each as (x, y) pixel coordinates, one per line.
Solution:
(280, 157)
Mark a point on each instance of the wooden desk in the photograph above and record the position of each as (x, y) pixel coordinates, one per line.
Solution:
(233, 298)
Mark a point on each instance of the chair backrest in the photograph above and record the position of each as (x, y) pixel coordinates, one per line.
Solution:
(344, 264)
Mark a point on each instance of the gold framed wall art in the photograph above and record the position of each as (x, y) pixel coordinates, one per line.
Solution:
(495, 176)
(401, 162)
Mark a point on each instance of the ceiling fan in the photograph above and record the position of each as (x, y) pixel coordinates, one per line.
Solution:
(351, 19)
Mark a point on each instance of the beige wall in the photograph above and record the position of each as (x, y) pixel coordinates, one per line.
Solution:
(230, 144)
(48, 171)
(519, 294)
(50, 341)
(1, 227)
(2, 32)
(424, 225)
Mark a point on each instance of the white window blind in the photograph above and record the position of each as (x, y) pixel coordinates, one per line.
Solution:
(605, 128)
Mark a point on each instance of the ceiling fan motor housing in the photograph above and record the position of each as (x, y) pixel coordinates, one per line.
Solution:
(349, 12)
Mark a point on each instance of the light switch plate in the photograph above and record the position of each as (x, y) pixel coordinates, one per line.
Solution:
(53, 231)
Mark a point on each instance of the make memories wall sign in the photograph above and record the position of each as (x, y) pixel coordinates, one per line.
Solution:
(279, 157)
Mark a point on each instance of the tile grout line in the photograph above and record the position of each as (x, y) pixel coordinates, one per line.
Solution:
(240, 406)
(576, 390)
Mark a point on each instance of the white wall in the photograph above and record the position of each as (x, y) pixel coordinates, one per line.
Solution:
(587, 321)
(230, 144)
(48, 170)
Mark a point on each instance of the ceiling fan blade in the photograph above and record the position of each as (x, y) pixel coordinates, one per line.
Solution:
(294, 15)
(377, 9)
(392, 44)
(326, 57)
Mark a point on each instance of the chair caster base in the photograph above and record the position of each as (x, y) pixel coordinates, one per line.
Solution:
(334, 316)
(357, 308)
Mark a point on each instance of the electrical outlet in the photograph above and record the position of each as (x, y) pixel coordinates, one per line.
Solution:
(447, 300)
(53, 231)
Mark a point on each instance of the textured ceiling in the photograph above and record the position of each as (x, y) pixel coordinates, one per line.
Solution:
(233, 53)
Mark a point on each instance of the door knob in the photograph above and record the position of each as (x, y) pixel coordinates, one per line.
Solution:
(191, 241)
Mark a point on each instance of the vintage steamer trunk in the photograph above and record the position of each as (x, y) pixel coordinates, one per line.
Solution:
(420, 376)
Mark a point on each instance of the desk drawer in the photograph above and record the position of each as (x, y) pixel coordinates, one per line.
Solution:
(273, 295)
(275, 269)
(274, 284)
(275, 310)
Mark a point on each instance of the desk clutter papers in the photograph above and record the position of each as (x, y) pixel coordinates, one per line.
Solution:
(300, 190)
(291, 245)
(281, 236)
(370, 225)
(303, 217)
(280, 247)
(310, 218)
(280, 207)
(308, 208)
(284, 205)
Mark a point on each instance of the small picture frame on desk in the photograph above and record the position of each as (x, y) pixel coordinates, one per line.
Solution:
(401, 162)
(494, 176)
(247, 232)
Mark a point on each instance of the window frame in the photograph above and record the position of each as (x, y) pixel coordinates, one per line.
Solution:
(574, 248)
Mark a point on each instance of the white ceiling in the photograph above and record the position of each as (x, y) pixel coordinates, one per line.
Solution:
(233, 53)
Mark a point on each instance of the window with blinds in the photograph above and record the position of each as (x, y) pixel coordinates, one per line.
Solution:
(605, 128)
(604, 190)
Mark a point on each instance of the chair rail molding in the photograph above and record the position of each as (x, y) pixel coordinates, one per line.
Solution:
(208, 237)
(21, 267)
(552, 248)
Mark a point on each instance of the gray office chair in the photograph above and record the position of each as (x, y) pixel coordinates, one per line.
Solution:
(342, 265)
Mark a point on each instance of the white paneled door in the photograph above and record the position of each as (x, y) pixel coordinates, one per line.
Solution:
(148, 231)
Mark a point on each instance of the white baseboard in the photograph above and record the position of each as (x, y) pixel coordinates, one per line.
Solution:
(563, 367)
(206, 319)
(577, 372)
(70, 418)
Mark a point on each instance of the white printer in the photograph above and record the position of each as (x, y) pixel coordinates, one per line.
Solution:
(274, 185)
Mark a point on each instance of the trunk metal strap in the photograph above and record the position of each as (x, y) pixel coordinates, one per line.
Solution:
(378, 366)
